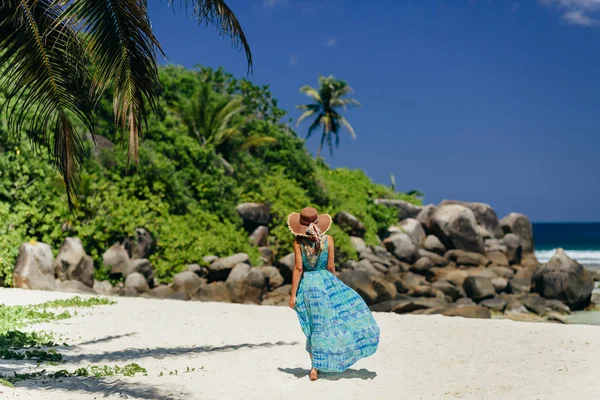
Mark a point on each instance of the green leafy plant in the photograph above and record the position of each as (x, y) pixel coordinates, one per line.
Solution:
(58, 57)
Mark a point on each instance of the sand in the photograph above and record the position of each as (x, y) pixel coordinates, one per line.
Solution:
(257, 352)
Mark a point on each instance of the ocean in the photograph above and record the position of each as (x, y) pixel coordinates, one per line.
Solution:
(581, 241)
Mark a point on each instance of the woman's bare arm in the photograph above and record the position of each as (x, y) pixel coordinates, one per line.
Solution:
(331, 256)
(296, 274)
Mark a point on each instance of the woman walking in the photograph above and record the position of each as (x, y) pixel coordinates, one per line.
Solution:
(338, 325)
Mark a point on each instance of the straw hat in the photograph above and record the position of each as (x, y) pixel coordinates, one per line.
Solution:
(299, 222)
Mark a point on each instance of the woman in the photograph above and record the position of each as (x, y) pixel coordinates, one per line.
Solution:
(338, 325)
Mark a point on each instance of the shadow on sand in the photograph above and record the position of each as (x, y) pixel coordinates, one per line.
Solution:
(106, 339)
(101, 387)
(162, 352)
(363, 374)
(124, 387)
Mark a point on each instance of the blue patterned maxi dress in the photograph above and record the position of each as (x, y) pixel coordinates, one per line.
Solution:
(339, 327)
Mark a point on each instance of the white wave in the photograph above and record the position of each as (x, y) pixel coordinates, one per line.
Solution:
(581, 256)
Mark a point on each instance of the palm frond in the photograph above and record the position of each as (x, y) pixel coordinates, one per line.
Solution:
(46, 83)
(315, 125)
(344, 103)
(311, 92)
(304, 116)
(217, 13)
(257, 141)
(123, 50)
(347, 125)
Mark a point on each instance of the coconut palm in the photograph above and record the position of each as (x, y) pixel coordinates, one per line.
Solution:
(59, 56)
(328, 100)
(218, 121)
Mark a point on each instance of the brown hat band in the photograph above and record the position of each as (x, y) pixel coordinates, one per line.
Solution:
(307, 223)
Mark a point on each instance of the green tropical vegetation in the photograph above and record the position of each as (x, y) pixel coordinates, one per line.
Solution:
(328, 99)
(59, 57)
(182, 192)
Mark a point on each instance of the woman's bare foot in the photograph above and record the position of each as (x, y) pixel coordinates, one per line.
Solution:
(314, 374)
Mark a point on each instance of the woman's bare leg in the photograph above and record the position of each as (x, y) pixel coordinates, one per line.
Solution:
(314, 374)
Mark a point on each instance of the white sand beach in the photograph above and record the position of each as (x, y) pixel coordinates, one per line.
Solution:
(257, 352)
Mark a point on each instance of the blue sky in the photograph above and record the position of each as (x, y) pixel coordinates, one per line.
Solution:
(481, 100)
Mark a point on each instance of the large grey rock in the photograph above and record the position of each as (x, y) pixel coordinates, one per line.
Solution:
(467, 311)
(362, 283)
(479, 288)
(34, 268)
(456, 227)
(410, 281)
(564, 279)
(385, 290)
(514, 249)
(246, 284)
(433, 244)
(359, 244)
(117, 258)
(273, 277)
(482, 271)
(423, 265)
(558, 306)
(375, 259)
(161, 292)
(137, 282)
(503, 272)
(497, 258)
(461, 257)
(102, 287)
(144, 267)
(519, 225)
(286, 266)
(500, 284)
(201, 271)
(484, 214)
(424, 217)
(408, 305)
(368, 267)
(414, 230)
(220, 269)
(213, 292)
(209, 259)
(140, 246)
(495, 303)
(534, 303)
(402, 247)
(350, 224)
(259, 237)
(187, 282)
(267, 255)
(448, 288)
(519, 285)
(438, 260)
(254, 215)
(82, 271)
(70, 254)
(278, 297)
(405, 209)
(75, 287)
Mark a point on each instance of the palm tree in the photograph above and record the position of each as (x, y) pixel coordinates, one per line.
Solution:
(218, 121)
(328, 99)
(59, 56)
